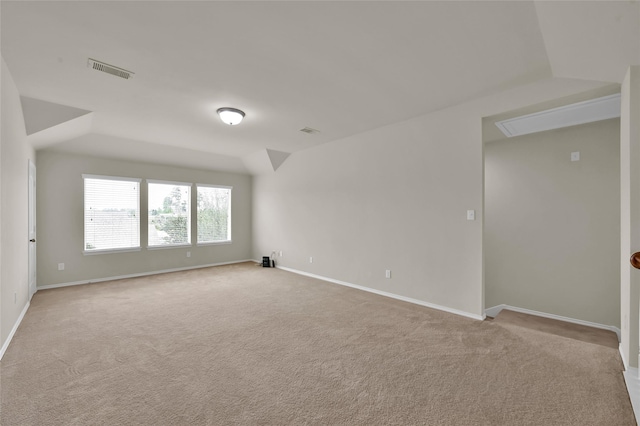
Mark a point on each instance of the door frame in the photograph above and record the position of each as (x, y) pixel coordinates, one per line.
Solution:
(32, 272)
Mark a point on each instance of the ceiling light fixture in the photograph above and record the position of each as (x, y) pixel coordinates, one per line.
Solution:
(230, 116)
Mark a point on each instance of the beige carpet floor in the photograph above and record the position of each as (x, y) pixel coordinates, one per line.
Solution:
(243, 345)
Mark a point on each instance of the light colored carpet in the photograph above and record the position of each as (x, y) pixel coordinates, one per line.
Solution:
(240, 344)
(559, 328)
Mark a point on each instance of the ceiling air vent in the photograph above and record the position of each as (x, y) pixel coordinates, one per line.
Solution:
(110, 69)
(565, 116)
(310, 131)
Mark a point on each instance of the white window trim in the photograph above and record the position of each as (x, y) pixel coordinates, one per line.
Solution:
(216, 243)
(113, 250)
(170, 182)
(206, 185)
(169, 246)
(105, 177)
(109, 251)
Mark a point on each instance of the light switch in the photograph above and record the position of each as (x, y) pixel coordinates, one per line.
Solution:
(575, 156)
(471, 215)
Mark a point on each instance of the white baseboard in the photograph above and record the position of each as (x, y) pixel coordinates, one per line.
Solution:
(386, 294)
(495, 310)
(13, 330)
(141, 274)
(632, 380)
(624, 360)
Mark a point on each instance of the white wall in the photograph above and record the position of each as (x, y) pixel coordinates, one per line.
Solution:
(377, 201)
(630, 215)
(552, 226)
(393, 198)
(15, 153)
(61, 227)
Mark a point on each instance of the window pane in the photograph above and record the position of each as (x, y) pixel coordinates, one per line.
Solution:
(111, 214)
(169, 214)
(214, 214)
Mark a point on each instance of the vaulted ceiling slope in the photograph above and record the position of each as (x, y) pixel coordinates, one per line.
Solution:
(339, 67)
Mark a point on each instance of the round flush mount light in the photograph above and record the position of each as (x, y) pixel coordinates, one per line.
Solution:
(230, 116)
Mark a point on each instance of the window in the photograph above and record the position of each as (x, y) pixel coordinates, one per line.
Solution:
(111, 213)
(169, 214)
(214, 214)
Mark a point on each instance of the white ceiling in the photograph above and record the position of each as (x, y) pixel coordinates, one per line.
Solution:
(339, 67)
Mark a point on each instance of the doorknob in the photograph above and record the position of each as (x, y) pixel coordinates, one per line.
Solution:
(33, 240)
(635, 260)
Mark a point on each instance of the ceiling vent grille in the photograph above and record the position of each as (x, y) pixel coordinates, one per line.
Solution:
(309, 131)
(110, 69)
(565, 116)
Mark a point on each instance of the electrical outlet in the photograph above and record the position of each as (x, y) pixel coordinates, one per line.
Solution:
(15, 297)
(188, 254)
(280, 253)
(60, 266)
(310, 259)
(387, 273)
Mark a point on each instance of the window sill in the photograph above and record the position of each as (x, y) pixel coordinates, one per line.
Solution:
(169, 246)
(110, 251)
(215, 243)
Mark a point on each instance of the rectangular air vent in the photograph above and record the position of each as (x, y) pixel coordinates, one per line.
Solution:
(310, 131)
(565, 116)
(110, 69)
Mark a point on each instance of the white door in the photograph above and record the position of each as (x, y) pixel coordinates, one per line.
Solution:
(32, 229)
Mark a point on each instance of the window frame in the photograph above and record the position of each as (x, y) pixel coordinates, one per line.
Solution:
(189, 216)
(229, 220)
(86, 251)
